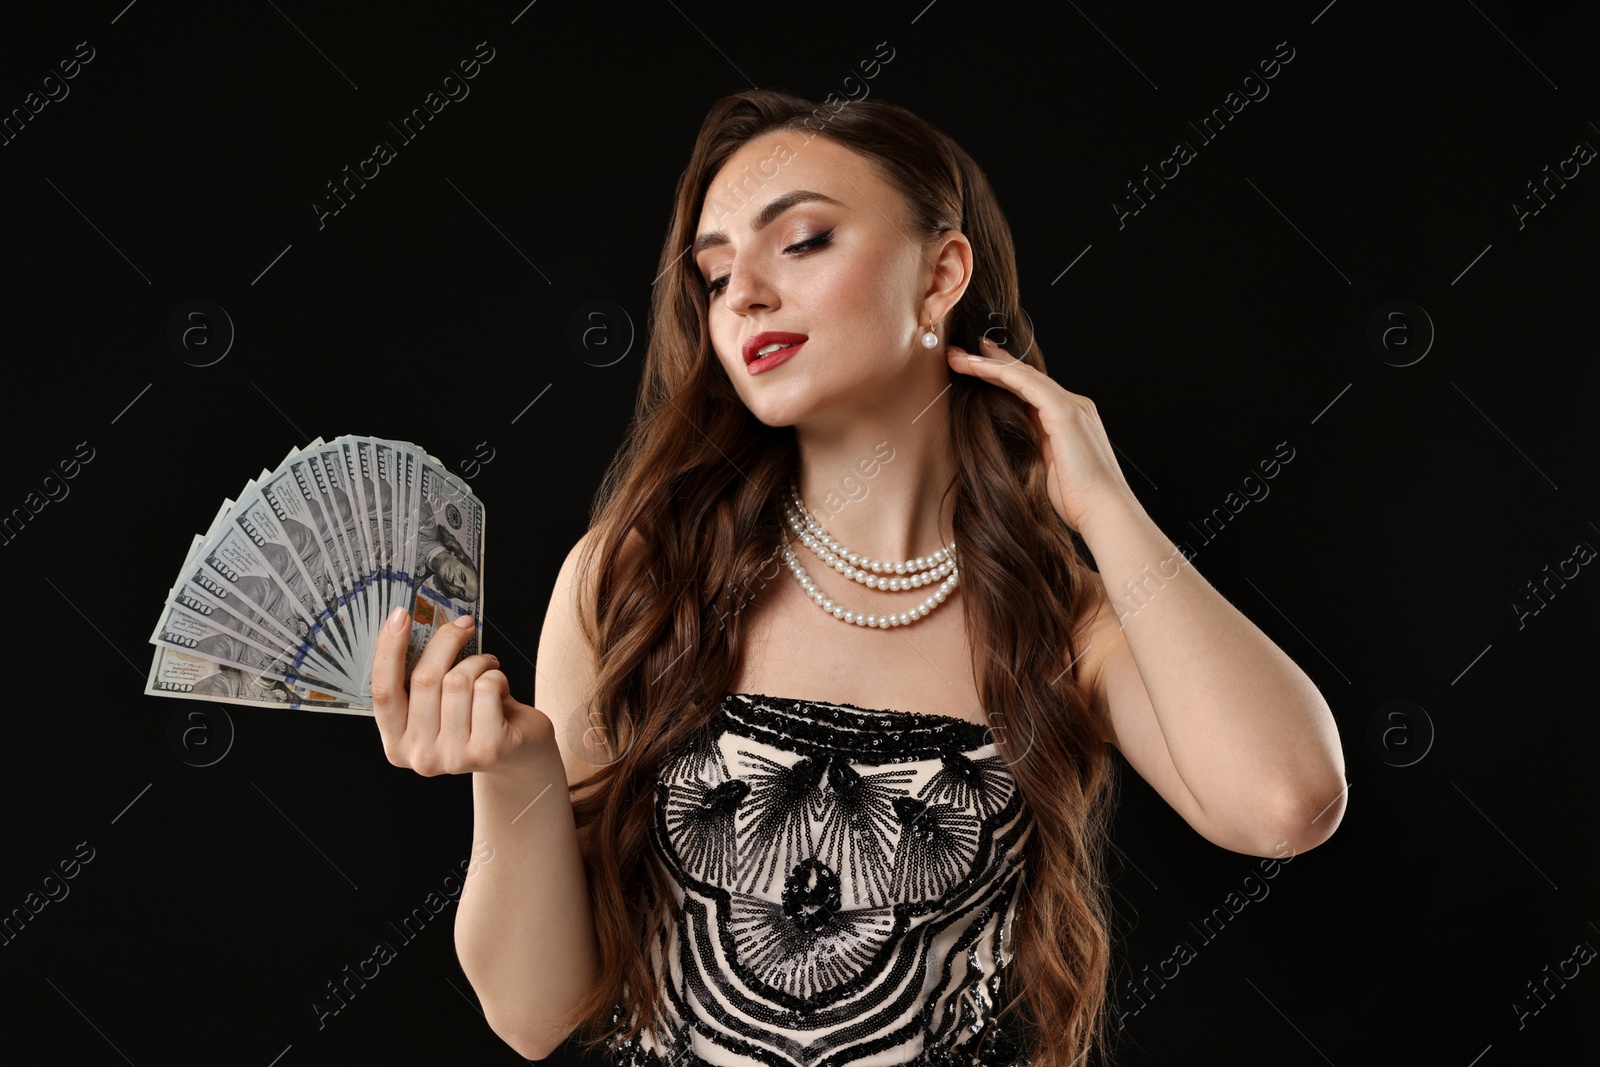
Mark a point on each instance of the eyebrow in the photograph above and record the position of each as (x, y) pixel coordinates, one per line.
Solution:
(773, 208)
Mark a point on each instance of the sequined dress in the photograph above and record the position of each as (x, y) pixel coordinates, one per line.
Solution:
(846, 884)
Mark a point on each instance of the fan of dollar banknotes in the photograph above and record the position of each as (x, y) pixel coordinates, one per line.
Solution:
(281, 601)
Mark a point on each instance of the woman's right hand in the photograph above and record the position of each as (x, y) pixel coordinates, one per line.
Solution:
(456, 718)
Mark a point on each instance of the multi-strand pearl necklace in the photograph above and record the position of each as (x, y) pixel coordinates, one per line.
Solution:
(878, 574)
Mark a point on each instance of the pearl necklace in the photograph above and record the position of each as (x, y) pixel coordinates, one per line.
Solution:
(869, 572)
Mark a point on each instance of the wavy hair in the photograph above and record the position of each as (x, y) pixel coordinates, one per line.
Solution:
(696, 490)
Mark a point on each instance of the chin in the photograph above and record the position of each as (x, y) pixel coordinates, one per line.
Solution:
(770, 415)
(770, 411)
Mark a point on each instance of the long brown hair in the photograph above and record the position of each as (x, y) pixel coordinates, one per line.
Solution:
(696, 486)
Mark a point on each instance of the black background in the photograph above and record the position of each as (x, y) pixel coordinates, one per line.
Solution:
(1229, 315)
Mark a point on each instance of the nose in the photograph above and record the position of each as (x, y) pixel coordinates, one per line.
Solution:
(748, 288)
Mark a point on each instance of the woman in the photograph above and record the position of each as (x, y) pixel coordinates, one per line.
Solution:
(757, 858)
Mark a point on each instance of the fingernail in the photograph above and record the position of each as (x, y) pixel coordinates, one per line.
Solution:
(396, 619)
(988, 341)
(977, 359)
(464, 621)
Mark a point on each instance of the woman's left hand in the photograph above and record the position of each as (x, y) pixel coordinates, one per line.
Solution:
(1080, 468)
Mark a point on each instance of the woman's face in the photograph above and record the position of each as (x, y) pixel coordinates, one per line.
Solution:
(844, 271)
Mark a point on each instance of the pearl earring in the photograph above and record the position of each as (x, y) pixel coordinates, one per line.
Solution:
(930, 339)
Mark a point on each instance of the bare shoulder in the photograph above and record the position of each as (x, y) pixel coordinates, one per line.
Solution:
(567, 666)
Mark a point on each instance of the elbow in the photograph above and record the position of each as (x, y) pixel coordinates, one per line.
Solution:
(1277, 825)
(1308, 797)
(528, 1046)
(532, 1039)
(523, 1033)
(1290, 819)
(1310, 817)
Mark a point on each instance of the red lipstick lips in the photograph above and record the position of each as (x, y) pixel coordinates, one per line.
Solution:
(792, 343)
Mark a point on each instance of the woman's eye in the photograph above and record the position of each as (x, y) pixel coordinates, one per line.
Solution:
(815, 242)
(718, 284)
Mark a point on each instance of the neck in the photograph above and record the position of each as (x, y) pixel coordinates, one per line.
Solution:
(878, 487)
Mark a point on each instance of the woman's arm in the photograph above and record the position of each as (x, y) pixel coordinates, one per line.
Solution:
(524, 930)
(1202, 704)
(1212, 714)
(525, 926)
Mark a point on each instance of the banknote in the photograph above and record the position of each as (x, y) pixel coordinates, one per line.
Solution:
(297, 516)
(280, 602)
(227, 639)
(356, 454)
(449, 559)
(312, 654)
(179, 674)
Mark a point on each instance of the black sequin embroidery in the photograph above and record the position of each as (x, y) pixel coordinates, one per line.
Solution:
(846, 882)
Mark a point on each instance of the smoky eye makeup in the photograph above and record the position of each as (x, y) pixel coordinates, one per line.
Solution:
(798, 248)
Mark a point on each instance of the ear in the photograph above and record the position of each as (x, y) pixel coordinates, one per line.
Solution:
(950, 256)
